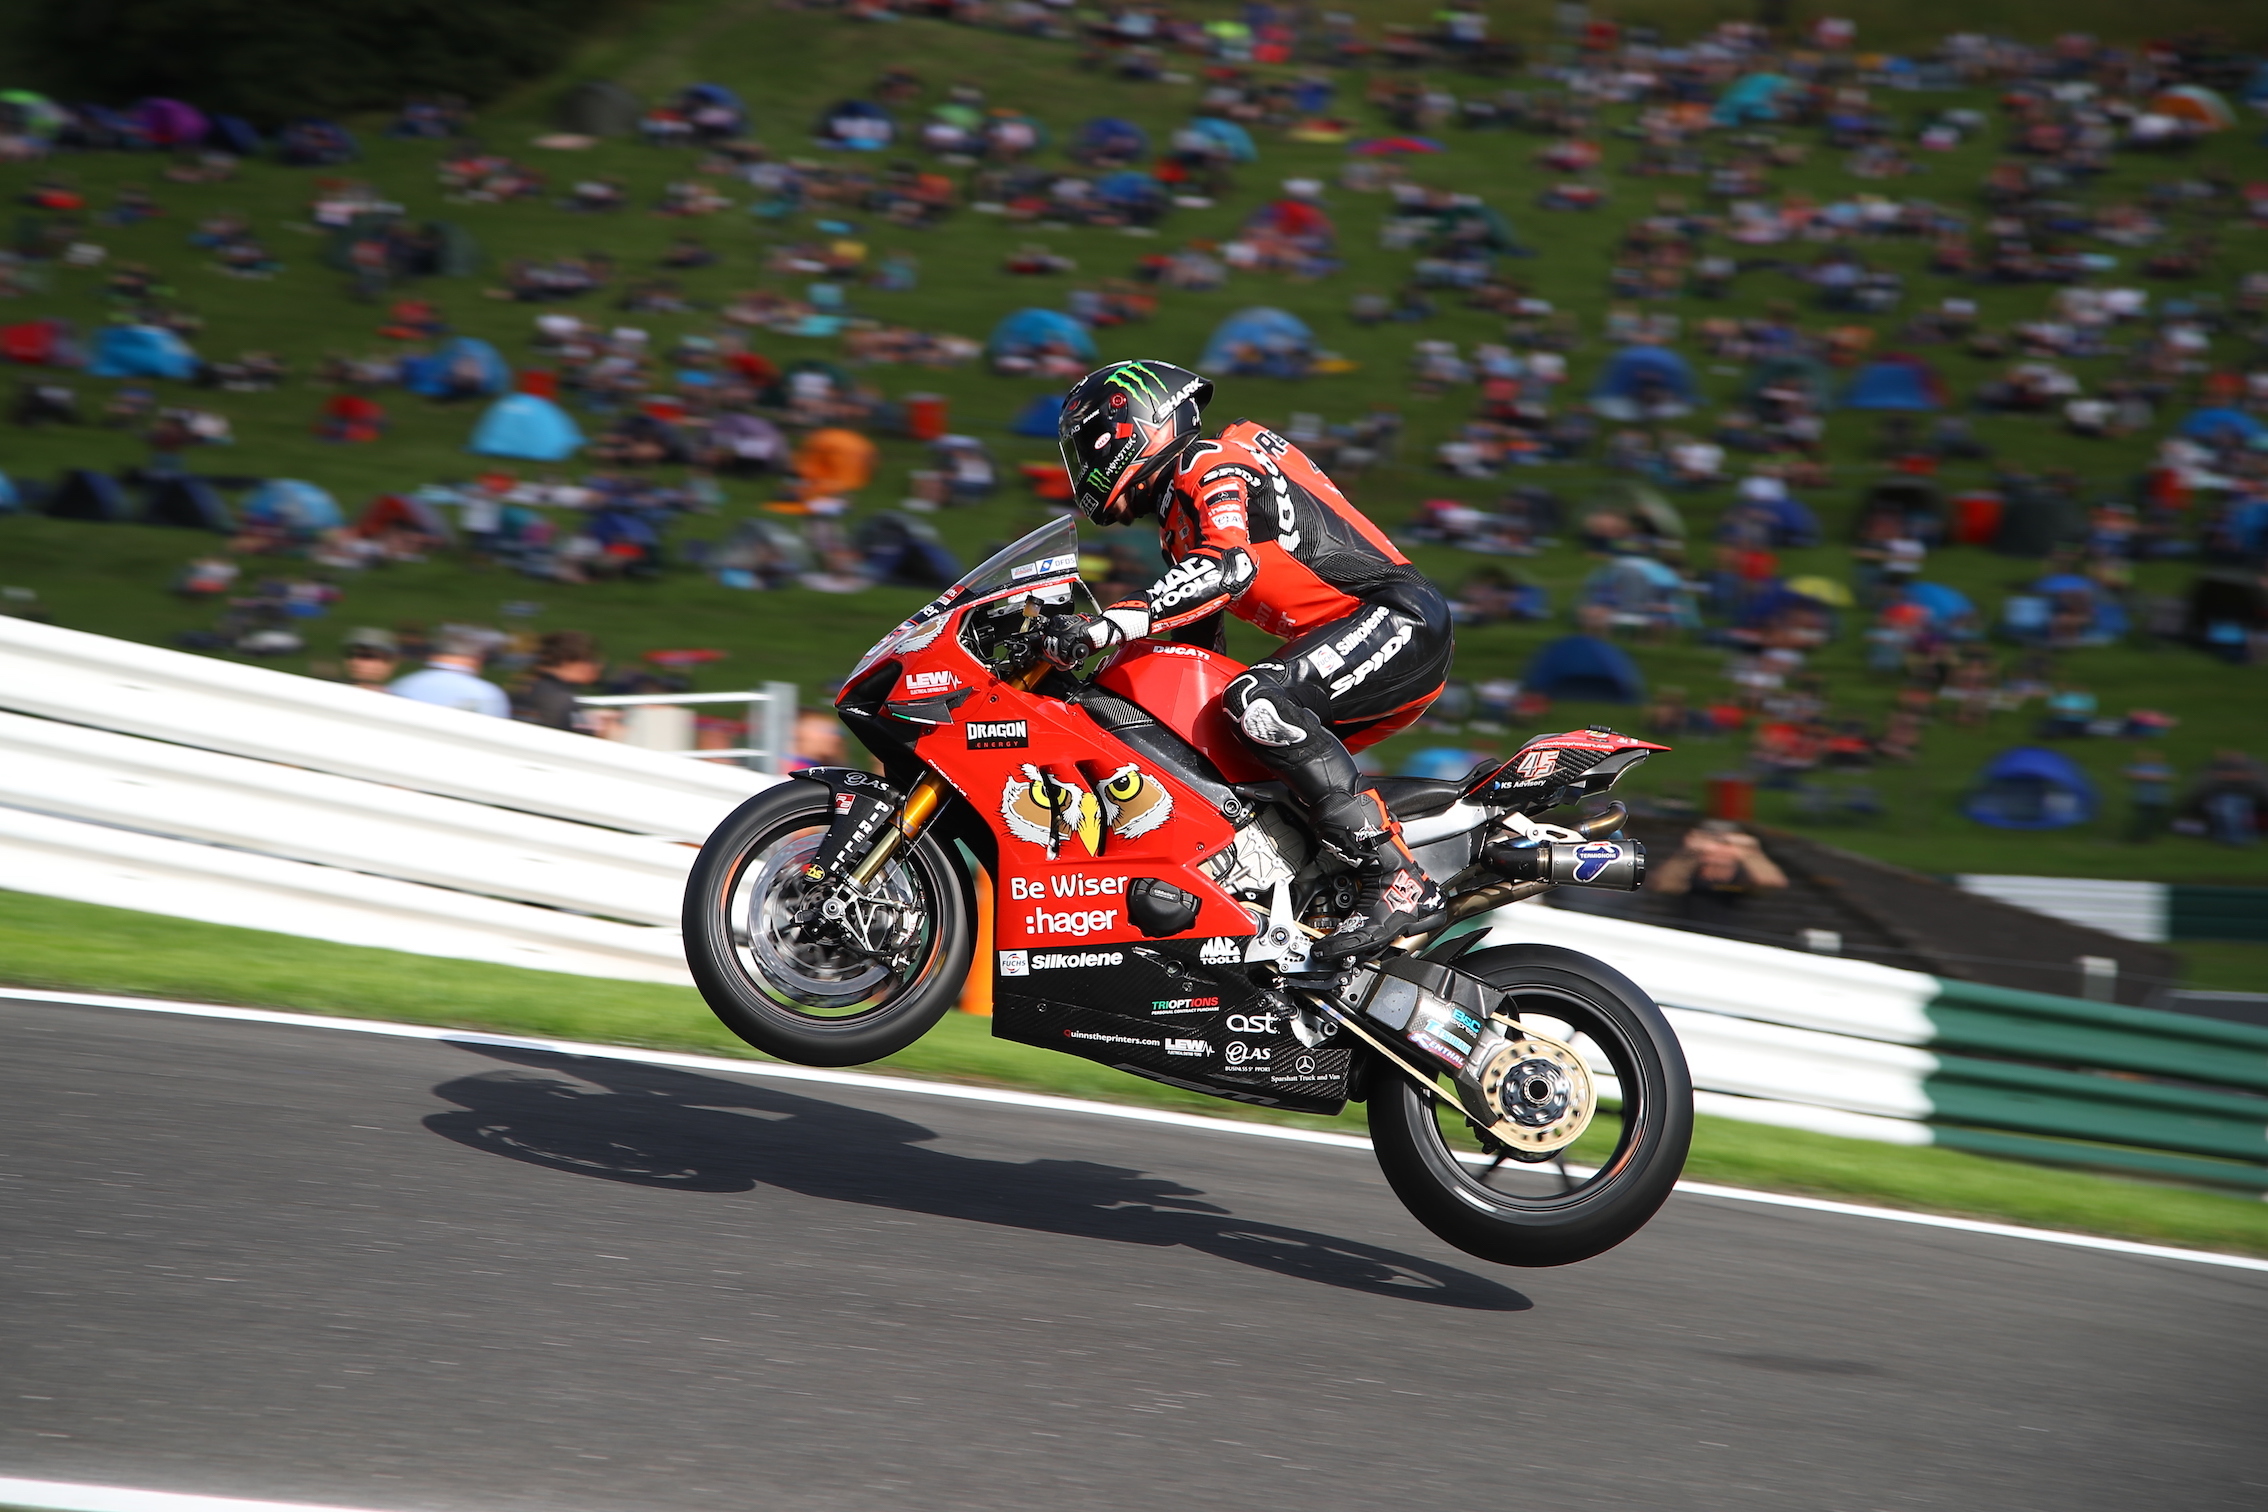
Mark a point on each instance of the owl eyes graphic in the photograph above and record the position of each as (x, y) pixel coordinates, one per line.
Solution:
(1046, 811)
(1136, 802)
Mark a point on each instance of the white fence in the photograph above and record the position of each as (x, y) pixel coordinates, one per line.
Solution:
(329, 727)
(2130, 910)
(176, 784)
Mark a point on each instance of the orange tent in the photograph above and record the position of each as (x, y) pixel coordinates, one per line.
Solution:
(2195, 104)
(834, 462)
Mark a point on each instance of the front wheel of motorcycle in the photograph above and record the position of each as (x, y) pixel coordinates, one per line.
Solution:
(1598, 1191)
(806, 994)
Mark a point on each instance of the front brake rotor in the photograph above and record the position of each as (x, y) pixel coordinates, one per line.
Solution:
(1536, 1096)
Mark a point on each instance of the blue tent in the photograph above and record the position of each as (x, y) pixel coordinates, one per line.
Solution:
(2109, 621)
(1031, 328)
(1750, 99)
(1585, 669)
(860, 125)
(715, 94)
(1039, 418)
(10, 500)
(299, 507)
(234, 134)
(901, 549)
(2028, 788)
(1260, 342)
(1641, 586)
(1111, 139)
(431, 376)
(2207, 424)
(87, 495)
(1945, 605)
(191, 503)
(1895, 383)
(1234, 139)
(1789, 522)
(1777, 598)
(140, 351)
(528, 427)
(1643, 383)
(1131, 191)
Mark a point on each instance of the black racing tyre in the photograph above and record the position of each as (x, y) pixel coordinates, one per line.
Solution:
(1611, 1181)
(800, 997)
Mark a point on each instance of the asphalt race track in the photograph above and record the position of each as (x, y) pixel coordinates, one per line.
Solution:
(249, 1260)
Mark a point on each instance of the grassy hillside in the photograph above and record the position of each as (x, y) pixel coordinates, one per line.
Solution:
(790, 64)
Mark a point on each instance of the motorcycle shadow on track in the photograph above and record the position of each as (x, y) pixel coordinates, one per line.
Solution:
(653, 1126)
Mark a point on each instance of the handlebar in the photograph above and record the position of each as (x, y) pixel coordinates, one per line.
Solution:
(1021, 657)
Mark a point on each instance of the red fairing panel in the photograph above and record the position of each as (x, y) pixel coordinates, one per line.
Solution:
(1181, 687)
(1078, 817)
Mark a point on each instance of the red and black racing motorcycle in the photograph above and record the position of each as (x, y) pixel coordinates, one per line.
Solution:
(1155, 893)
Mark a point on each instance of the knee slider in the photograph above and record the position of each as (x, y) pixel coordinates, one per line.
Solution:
(1267, 714)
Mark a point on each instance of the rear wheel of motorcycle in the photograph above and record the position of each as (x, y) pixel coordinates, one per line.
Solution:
(803, 998)
(1608, 1183)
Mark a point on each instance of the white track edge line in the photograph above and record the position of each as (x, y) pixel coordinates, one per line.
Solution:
(1045, 1102)
(67, 1496)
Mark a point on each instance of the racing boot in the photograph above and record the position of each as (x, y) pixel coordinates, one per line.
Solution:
(1396, 896)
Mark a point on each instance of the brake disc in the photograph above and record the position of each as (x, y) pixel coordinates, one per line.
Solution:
(1536, 1095)
(815, 962)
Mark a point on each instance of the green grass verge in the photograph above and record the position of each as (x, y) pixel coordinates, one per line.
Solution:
(2223, 965)
(47, 942)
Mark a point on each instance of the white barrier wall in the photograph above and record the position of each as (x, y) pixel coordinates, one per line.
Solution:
(62, 858)
(162, 789)
(329, 727)
(2130, 910)
(1735, 977)
(176, 784)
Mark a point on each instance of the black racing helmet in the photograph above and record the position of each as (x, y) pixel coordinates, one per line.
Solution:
(1123, 427)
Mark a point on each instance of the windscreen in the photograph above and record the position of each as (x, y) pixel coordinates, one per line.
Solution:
(1047, 556)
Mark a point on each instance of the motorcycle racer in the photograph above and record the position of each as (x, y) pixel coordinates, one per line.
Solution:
(1252, 527)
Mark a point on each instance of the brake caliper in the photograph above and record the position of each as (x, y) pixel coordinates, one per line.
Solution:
(864, 806)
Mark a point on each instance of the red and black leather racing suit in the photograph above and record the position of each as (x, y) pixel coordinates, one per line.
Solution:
(1254, 528)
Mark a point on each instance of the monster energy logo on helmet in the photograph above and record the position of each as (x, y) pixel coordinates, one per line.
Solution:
(1135, 378)
(1123, 425)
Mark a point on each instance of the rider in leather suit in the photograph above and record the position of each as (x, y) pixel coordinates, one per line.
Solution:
(1252, 527)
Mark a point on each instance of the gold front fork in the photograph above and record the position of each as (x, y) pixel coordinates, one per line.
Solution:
(928, 795)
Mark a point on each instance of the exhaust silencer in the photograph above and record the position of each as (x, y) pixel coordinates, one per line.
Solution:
(1618, 864)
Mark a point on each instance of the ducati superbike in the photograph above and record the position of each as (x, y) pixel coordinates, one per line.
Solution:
(1154, 895)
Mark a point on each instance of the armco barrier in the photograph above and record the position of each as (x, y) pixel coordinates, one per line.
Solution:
(1820, 1040)
(160, 789)
(151, 779)
(2150, 911)
(328, 727)
(63, 858)
(2035, 1025)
